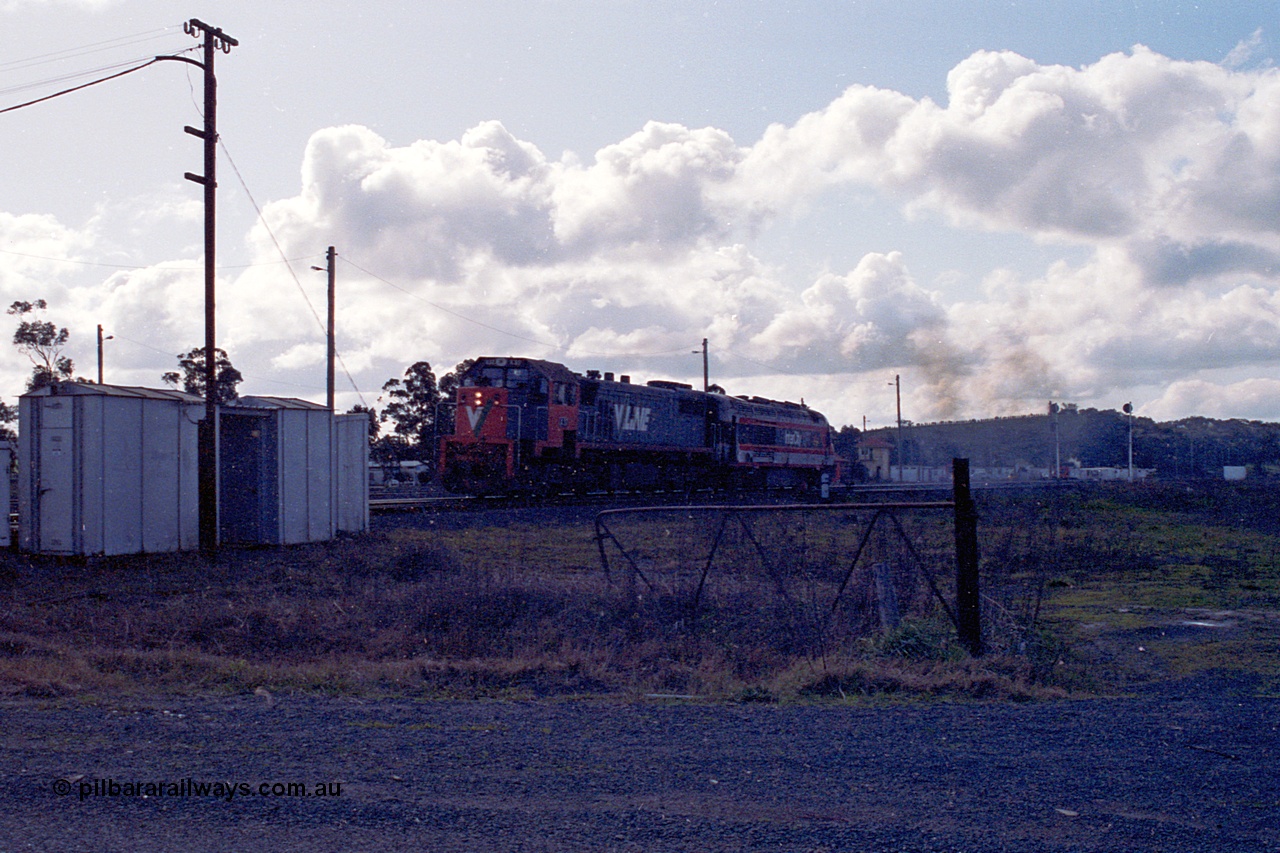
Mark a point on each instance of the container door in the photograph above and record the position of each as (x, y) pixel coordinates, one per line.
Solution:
(57, 478)
(240, 460)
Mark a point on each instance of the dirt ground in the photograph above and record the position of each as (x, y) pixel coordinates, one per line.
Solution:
(1189, 765)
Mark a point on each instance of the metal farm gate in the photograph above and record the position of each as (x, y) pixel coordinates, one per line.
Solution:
(812, 598)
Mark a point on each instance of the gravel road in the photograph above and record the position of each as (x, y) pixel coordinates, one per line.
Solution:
(1190, 766)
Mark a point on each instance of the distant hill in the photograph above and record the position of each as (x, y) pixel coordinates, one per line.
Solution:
(1191, 447)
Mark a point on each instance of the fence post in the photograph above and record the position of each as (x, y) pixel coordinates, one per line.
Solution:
(968, 604)
(886, 595)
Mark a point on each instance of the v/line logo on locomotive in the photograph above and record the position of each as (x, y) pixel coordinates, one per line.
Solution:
(477, 415)
(628, 416)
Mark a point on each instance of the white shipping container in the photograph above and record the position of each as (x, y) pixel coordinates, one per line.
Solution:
(107, 469)
(350, 462)
(306, 511)
(292, 472)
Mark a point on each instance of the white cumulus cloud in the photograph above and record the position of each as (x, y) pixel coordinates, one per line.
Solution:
(1165, 169)
(1158, 178)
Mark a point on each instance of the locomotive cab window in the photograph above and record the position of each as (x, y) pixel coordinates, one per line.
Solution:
(563, 394)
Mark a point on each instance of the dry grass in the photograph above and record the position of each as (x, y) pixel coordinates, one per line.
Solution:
(523, 610)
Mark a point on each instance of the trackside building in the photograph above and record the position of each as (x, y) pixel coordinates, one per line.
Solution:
(108, 470)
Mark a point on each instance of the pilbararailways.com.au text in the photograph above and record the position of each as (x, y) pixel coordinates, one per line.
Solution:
(86, 788)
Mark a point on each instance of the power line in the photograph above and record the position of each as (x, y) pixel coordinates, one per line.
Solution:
(149, 62)
(275, 242)
(85, 50)
(75, 75)
(280, 251)
(122, 41)
(554, 346)
(121, 337)
(161, 268)
(282, 383)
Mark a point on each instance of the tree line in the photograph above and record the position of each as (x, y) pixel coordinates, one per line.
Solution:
(1191, 447)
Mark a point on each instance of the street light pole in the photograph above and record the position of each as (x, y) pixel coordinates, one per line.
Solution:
(1057, 443)
(897, 392)
(1128, 410)
(706, 374)
(100, 340)
(331, 255)
(331, 346)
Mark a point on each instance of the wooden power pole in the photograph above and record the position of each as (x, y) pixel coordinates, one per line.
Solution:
(207, 451)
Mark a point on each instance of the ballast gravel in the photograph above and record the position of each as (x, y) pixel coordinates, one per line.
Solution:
(1178, 767)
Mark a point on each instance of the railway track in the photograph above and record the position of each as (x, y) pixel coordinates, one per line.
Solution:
(418, 500)
(383, 500)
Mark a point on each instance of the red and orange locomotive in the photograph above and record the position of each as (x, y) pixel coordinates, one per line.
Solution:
(523, 424)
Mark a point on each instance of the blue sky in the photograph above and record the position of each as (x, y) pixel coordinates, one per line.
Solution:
(1003, 203)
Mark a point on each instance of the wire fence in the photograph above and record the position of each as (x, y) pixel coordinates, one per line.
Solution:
(823, 574)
